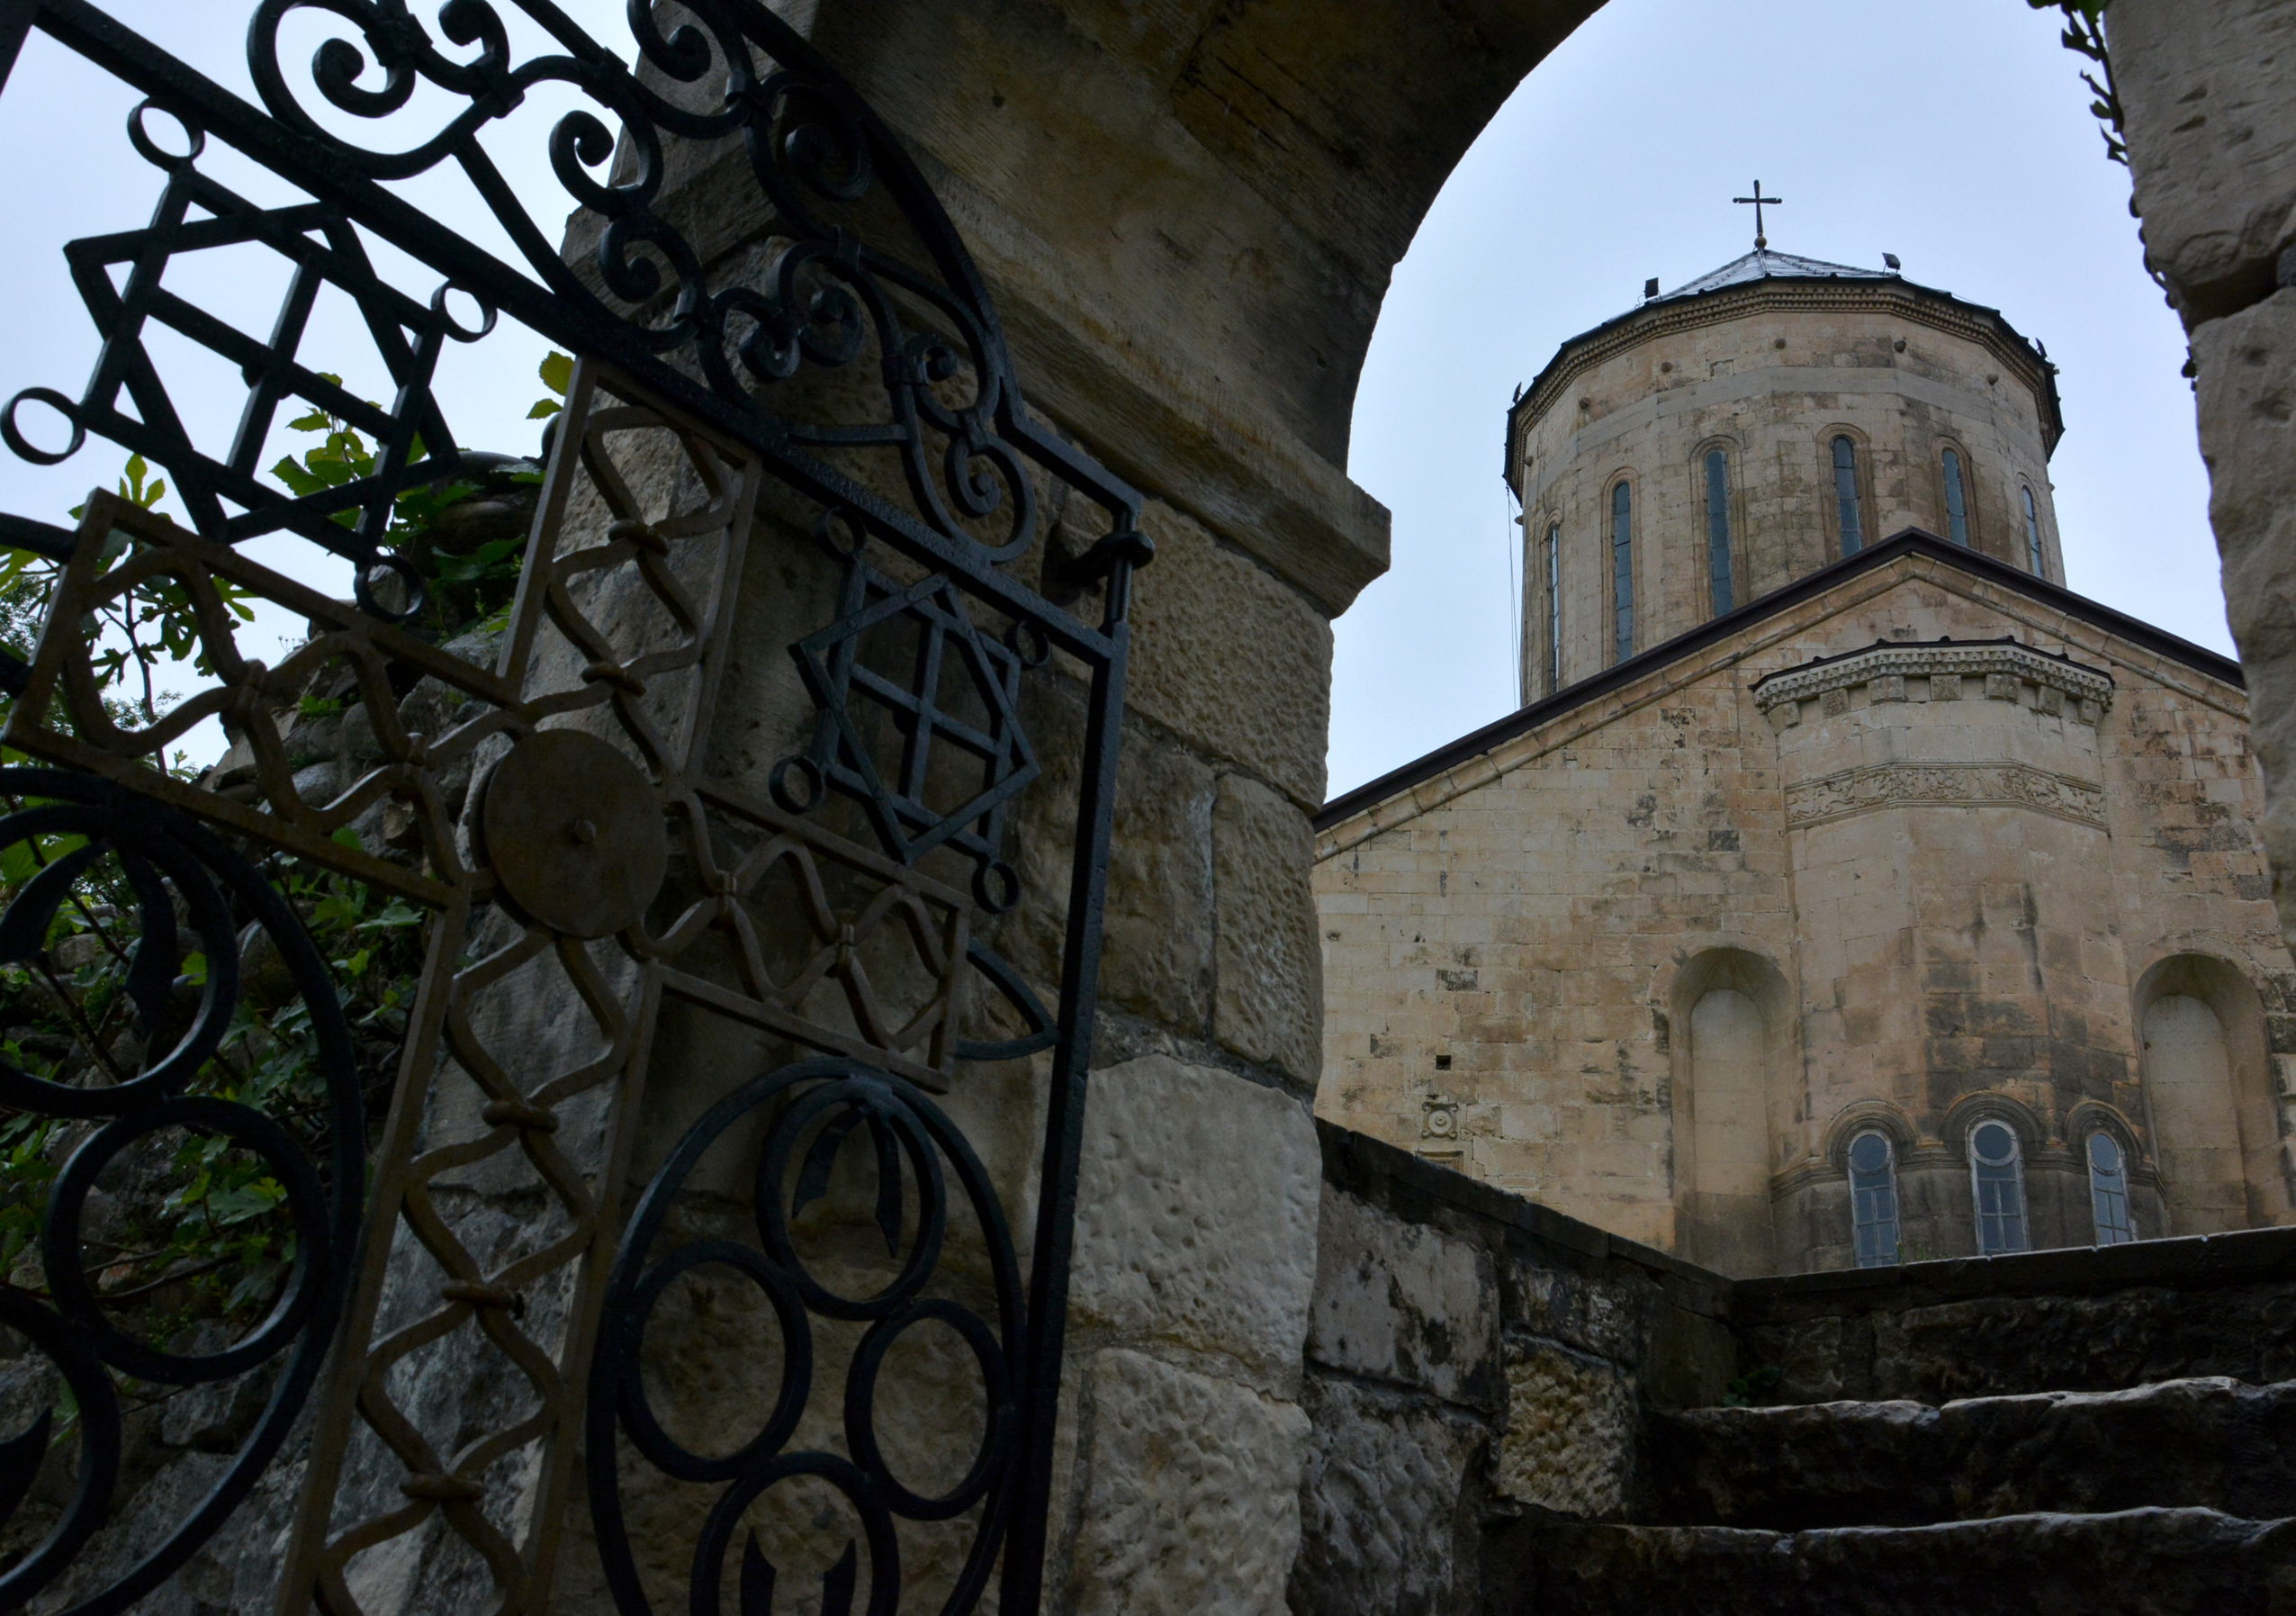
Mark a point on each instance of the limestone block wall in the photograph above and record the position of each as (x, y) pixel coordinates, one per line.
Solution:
(1770, 374)
(2210, 114)
(1471, 1358)
(1549, 964)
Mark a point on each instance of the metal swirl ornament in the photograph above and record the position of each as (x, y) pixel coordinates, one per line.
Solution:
(812, 1109)
(167, 859)
(817, 155)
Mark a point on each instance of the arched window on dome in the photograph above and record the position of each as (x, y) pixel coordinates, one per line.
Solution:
(1553, 607)
(1957, 501)
(1622, 569)
(1718, 528)
(1845, 495)
(1997, 1180)
(2109, 1190)
(1873, 1199)
(2032, 535)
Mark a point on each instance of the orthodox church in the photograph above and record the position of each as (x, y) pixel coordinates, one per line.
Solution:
(1846, 890)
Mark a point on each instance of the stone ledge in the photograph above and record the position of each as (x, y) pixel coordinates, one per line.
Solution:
(2193, 1262)
(1358, 1163)
(1940, 659)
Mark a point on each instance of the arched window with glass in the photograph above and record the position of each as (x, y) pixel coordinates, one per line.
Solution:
(1553, 565)
(1956, 499)
(1719, 528)
(1873, 1199)
(1997, 1180)
(2109, 1190)
(1622, 569)
(1847, 510)
(2033, 559)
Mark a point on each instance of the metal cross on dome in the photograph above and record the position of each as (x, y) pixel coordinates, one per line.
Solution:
(1761, 242)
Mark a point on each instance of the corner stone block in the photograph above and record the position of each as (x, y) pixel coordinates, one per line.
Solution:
(1190, 1494)
(2210, 113)
(1268, 1005)
(1234, 661)
(1401, 1302)
(1196, 1214)
(2246, 382)
(1382, 1523)
(1569, 1444)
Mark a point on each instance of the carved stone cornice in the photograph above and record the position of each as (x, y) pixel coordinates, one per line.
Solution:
(1944, 785)
(1929, 659)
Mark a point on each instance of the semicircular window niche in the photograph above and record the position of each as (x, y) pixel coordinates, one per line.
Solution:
(1873, 1199)
(1997, 1178)
(2109, 1190)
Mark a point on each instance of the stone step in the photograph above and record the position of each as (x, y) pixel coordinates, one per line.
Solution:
(2209, 1443)
(2131, 1563)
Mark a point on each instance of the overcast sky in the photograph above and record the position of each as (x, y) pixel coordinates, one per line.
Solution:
(1952, 133)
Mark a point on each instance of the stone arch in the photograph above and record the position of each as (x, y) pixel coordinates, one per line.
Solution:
(1734, 1111)
(2208, 1085)
(1187, 289)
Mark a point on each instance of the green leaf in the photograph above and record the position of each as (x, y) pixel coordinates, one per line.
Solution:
(397, 912)
(544, 408)
(557, 372)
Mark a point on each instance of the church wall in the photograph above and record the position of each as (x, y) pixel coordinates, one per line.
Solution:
(1772, 386)
(1507, 948)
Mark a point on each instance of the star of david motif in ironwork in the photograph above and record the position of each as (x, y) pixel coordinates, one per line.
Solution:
(948, 651)
(226, 498)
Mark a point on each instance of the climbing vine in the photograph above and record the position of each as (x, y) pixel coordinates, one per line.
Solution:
(2084, 35)
(194, 1236)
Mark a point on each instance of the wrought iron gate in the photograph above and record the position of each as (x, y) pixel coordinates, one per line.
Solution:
(783, 351)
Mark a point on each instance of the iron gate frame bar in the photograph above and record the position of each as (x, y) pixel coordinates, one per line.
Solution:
(310, 164)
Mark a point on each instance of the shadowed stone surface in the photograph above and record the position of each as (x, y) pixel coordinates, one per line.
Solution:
(2247, 388)
(2140, 1563)
(1569, 1437)
(1390, 1503)
(1192, 1508)
(1402, 1302)
(2209, 1443)
(2092, 1320)
(1268, 1004)
(1196, 1210)
(2210, 113)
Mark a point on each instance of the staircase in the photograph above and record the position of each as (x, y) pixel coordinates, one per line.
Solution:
(2166, 1498)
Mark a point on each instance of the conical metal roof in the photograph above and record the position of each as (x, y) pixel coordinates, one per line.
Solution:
(1762, 264)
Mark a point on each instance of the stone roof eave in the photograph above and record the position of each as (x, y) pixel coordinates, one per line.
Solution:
(1941, 311)
(1464, 752)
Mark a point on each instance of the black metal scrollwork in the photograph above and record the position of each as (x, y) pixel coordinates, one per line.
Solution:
(812, 1109)
(167, 859)
(815, 152)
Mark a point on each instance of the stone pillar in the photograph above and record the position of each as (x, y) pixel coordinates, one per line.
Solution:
(2208, 99)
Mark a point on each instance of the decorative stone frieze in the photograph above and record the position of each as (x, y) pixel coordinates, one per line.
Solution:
(1944, 785)
(2061, 685)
